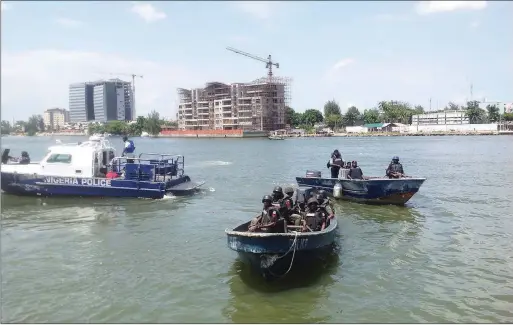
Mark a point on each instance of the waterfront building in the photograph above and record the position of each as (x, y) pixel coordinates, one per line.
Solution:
(55, 118)
(259, 105)
(101, 101)
(445, 117)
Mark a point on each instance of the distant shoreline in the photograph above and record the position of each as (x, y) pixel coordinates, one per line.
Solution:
(337, 135)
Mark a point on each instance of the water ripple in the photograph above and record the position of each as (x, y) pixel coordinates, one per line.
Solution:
(446, 257)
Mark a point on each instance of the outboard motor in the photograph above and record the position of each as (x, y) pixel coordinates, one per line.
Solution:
(337, 190)
(313, 174)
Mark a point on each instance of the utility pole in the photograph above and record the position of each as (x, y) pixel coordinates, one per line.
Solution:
(430, 104)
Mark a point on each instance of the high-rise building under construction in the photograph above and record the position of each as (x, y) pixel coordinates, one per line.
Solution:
(259, 105)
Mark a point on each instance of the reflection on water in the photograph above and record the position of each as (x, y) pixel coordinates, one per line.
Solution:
(297, 298)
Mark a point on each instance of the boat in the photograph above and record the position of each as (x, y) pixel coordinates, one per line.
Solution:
(275, 136)
(80, 169)
(274, 255)
(99, 136)
(145, 134)
(371, 190)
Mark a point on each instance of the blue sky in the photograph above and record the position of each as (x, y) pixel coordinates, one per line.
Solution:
(357, 53)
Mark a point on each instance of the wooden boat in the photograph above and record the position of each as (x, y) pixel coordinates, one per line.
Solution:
(373, 190)
(273, 255)
(275, 136)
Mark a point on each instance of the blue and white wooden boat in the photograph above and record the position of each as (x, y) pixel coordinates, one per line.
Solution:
(373, 190)
(273, 255)
(80, 169)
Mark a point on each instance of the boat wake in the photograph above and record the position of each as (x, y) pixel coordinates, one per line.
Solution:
(215, 163)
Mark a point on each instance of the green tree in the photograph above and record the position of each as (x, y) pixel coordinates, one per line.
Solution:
(35, 124)
(396, 111)
(334, 121)
(331, 108)
(507, 117)
(153, 123)
(297, 119)
(311, 117)
(289, 115)
(493, 113)
(371, 116)
(476, 115)
(95, 128)
(116, 127)
(352, 115)
(418, 110)
(452, 107)
(6, 127)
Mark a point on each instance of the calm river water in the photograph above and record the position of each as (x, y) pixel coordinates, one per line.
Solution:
(447, 257)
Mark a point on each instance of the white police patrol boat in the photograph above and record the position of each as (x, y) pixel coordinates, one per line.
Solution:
(91, 169)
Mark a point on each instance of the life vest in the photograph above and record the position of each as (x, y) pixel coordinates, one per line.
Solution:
(129, 146)
(395, 168)
(338, 162)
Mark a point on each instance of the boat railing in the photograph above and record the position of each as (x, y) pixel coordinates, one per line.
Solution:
(159, 159)
(162, 168)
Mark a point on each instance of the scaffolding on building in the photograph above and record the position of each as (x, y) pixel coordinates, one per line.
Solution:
(275, 96)
(258, 105)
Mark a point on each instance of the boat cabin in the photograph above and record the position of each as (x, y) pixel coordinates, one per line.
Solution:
(81, 160)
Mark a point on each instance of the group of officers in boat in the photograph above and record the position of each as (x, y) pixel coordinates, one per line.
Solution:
(283, 210)
(351, 170)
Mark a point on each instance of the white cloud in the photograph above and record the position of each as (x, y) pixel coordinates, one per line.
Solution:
(68, 22)
(47, 74)
(430, 7)
(342, 63)
(475, 24)
(5, 6)
(333, 72)
(259, 9)
(147, 12)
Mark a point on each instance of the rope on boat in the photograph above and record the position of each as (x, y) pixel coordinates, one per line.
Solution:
(293, 246)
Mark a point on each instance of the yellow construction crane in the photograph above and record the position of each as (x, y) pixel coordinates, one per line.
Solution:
(268, 63)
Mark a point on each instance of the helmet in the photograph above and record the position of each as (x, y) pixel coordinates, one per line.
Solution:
(395, 158)
(312, 200)
(323, 193)
(267, 198)
(125, 138)
(319, 198)
(288, 190)
(277, 189)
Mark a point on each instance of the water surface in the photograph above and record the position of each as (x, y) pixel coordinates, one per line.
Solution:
(446, 257)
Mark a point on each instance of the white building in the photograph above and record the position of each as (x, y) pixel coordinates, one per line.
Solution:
(446, 117)
(55, 118)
